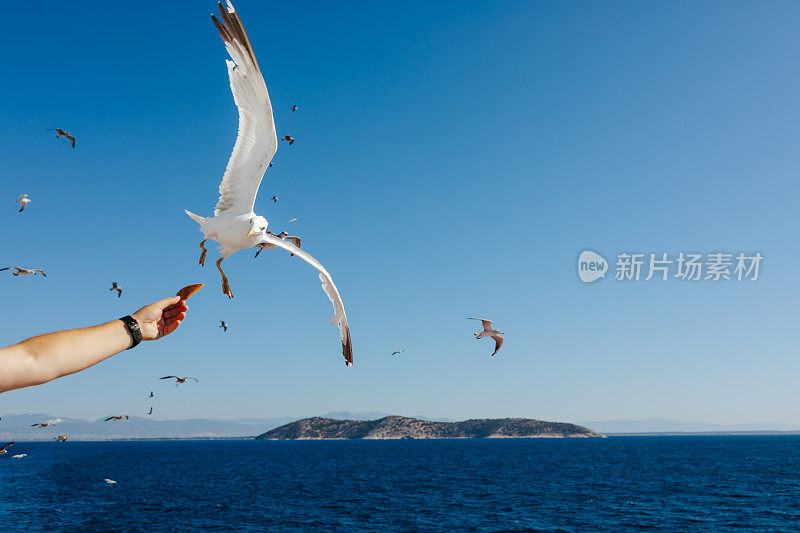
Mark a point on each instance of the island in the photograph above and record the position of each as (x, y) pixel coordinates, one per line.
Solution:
(400, 427)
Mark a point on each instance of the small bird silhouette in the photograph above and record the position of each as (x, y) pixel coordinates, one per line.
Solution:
(120, 417)
(151, 394)
(151, 411)
(115, 287)
(62, 133)
(397, 352)
(109, 481)
(295, 108)
(178, 380)
(275, 199)
(223, 325)
(23, 201)
(61, 438)
(288, 138)
(4, 449)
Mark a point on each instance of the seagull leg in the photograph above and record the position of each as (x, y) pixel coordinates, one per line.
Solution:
(203, 253)
(258, 252)
(226, 287)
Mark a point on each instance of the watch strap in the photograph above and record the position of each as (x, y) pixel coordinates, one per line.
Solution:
(133, 328)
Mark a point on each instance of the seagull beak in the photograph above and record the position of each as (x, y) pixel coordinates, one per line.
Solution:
(251, 232)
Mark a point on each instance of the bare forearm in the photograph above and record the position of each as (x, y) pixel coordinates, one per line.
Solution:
(53, 355)
(40, 359)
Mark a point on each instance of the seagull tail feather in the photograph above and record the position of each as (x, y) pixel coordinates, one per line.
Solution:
(196, 218)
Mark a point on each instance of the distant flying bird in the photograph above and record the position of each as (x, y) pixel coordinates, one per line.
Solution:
(61, 438)
(151, 411)
(19, 456)
(178, 380)
(109, 481)
(397, 352)
(293, 220)
(489, 332)
(4, 449)
(151, 394)
(23, 201)
(274, 199)
(62, 133)
(115, 287)
(42, 425)
(282, 235)
(223, 325)
(288, 138)
(270, 163)
(234, 224)
(120, 417)
(24, 271)
(295, 108)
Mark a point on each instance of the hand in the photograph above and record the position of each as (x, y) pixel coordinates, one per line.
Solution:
(161, 318)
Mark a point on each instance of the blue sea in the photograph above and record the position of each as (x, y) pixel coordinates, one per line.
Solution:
(686, 483)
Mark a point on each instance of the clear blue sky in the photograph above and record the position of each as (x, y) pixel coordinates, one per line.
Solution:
(452, 160)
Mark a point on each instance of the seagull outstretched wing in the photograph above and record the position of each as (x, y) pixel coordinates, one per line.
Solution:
(257, 141)
(339, 316)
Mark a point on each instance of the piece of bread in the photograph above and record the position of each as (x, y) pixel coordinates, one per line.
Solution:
(187, 292)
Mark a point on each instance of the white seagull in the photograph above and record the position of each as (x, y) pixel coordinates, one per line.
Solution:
(23, 202)
(24, 271)
(488, 331)
(234, 225)
(109, 481)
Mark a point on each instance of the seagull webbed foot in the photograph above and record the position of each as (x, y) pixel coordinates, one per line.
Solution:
(226, 288)
(203, 253)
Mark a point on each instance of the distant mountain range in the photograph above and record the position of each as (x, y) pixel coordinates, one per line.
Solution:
(665, 425)
(400, 427)
(18, 427)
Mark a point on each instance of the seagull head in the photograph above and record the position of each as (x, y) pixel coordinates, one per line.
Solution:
(258, 226)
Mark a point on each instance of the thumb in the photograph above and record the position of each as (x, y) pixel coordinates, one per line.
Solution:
(166, 302)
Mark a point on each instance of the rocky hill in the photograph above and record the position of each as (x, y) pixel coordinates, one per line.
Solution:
(399, 427)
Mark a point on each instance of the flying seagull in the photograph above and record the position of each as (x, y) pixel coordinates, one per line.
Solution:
(120, 417)
(61, 438)
(234, 225)
(151, 394)
(42, 425)
(295, 108)
(151, 411)
(109, 481)
(178, 380)
(293, 220)
(18, 456)
(489, 332)
(397, 352)
(62, 133)
(4, 449)
(223, 325)
(288, 138)
(23, 201)
(115, 287)
(24, 271)
(274, 199)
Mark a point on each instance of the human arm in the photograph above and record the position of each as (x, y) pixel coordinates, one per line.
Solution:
(46, 357)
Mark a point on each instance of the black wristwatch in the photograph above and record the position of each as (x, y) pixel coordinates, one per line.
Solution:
(133, 328)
